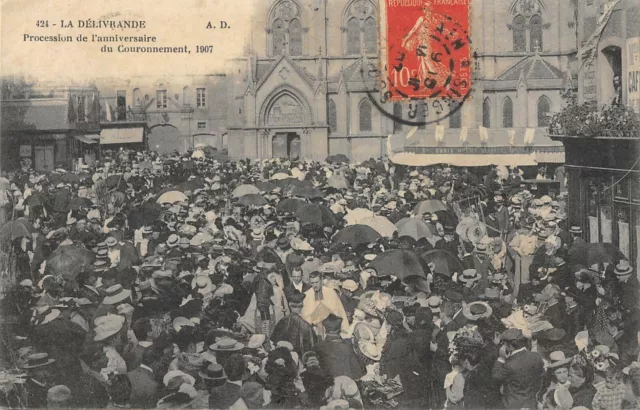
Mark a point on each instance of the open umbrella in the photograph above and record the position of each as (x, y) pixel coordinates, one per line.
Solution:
(245, 189)
(414, 227)
(18, 228)
(171, 197)
(265, 186)
(381, 224)
(315, 214)
(198, 154)
(280, 175)
(399, 262)
(68, 261)
(338, 182)
(358, 214)
(337, 158)
(35, 199)
(145, 214)
(589, 254)
(252, 200)
(289, 205)
(446, 263)
(430, 206)
(356, 235)
(79, 203)
(306, 192)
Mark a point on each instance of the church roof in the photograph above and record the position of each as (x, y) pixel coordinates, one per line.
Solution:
(533, 68)
(353, 77)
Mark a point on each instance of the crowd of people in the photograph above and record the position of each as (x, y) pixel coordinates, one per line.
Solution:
(183, 281)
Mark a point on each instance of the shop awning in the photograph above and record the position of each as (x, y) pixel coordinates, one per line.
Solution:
(550, 157)
(121, 135)
(89, 139)
(463, 160)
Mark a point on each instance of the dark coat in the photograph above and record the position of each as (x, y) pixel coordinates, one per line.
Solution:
(555, 315)
(224, 396)
(572, 322)
(338, 358)
(520, 377)
(480, 391)
(144, 388)
(294, 295)
(583, 396)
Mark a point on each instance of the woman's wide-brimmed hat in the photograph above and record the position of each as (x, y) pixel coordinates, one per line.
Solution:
(558, 359)
(116, 294)
(226, 344)
(37, 360)
(477, 310)
(203, 284)
(370, 350)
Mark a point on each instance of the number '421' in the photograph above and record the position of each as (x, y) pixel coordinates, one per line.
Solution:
(42, 23)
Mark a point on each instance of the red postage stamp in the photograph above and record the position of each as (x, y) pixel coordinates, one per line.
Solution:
(425, 49)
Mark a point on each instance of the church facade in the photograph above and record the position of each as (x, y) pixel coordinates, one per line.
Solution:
(299, 90)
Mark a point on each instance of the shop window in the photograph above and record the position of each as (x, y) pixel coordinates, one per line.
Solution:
(519, 34)
(333, 117)
(397, 113)
(365, 116)
(486, 113)
(507, 113)
(544, 112)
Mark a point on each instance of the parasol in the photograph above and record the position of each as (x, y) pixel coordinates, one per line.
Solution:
(245, 189)
(429, 206)
(471, 230)
(446, 263)
(315, 214)
(18, 228)
(356, 215)
(279, 176)
(35, 199)
(337, 158)
(306, 192)
(171, 197)
(400, 263)
(146, 214)
(198, 154)
(415, 228)
(381, 224)
(356, 235)
(68, 261)
(289, 205)
(265, 186)
(252, 200)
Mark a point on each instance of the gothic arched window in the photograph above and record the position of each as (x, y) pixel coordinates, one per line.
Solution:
(544, 109)
(295, 37)
(397, 113)
(361, 27)
(507, 113)
(370, 36)
(333, 117)
(519, 33)
(535, 33)
(365, 116)
(285, 29)
(455, 119)
(353, 36)
(486, 113)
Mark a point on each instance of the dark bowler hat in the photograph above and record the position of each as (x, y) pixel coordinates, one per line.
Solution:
(332, 323)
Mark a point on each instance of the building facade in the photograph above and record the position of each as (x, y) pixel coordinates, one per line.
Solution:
(299, 90)
(178, 112)
(48, 127)
(604, 171)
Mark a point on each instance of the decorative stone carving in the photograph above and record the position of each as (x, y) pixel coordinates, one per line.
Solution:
(286, 10)
(362, 9)
(527, 7)
(284, 73)
(285, 111)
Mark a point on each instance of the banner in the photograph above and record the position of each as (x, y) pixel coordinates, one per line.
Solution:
(588, 52)
(633, 73)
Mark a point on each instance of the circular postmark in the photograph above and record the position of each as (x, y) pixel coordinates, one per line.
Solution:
(425, 62)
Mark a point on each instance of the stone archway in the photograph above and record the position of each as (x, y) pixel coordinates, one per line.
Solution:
(165, 138)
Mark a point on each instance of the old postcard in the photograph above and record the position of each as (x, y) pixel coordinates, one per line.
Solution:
(455, 183)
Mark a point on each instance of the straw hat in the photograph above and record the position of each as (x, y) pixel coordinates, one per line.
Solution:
(226, 344)
(477, 310)
(37, 360)
(180, 322)
(107, 326)
(623, 268)
(173, 241)
(111, 241)
(115, 295)
(558, 359)
(203, 284)
(213, 372)
(469, 275)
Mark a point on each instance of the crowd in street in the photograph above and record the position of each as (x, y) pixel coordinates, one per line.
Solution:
(185, 281)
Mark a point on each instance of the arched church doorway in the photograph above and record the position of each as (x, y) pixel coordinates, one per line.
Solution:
(286, 145)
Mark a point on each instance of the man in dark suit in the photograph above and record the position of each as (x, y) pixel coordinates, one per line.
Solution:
(336, 354)
(224, 396)
(144, 388)
(295, 290)
(502, 215)
(629, 294)
(518, 370)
